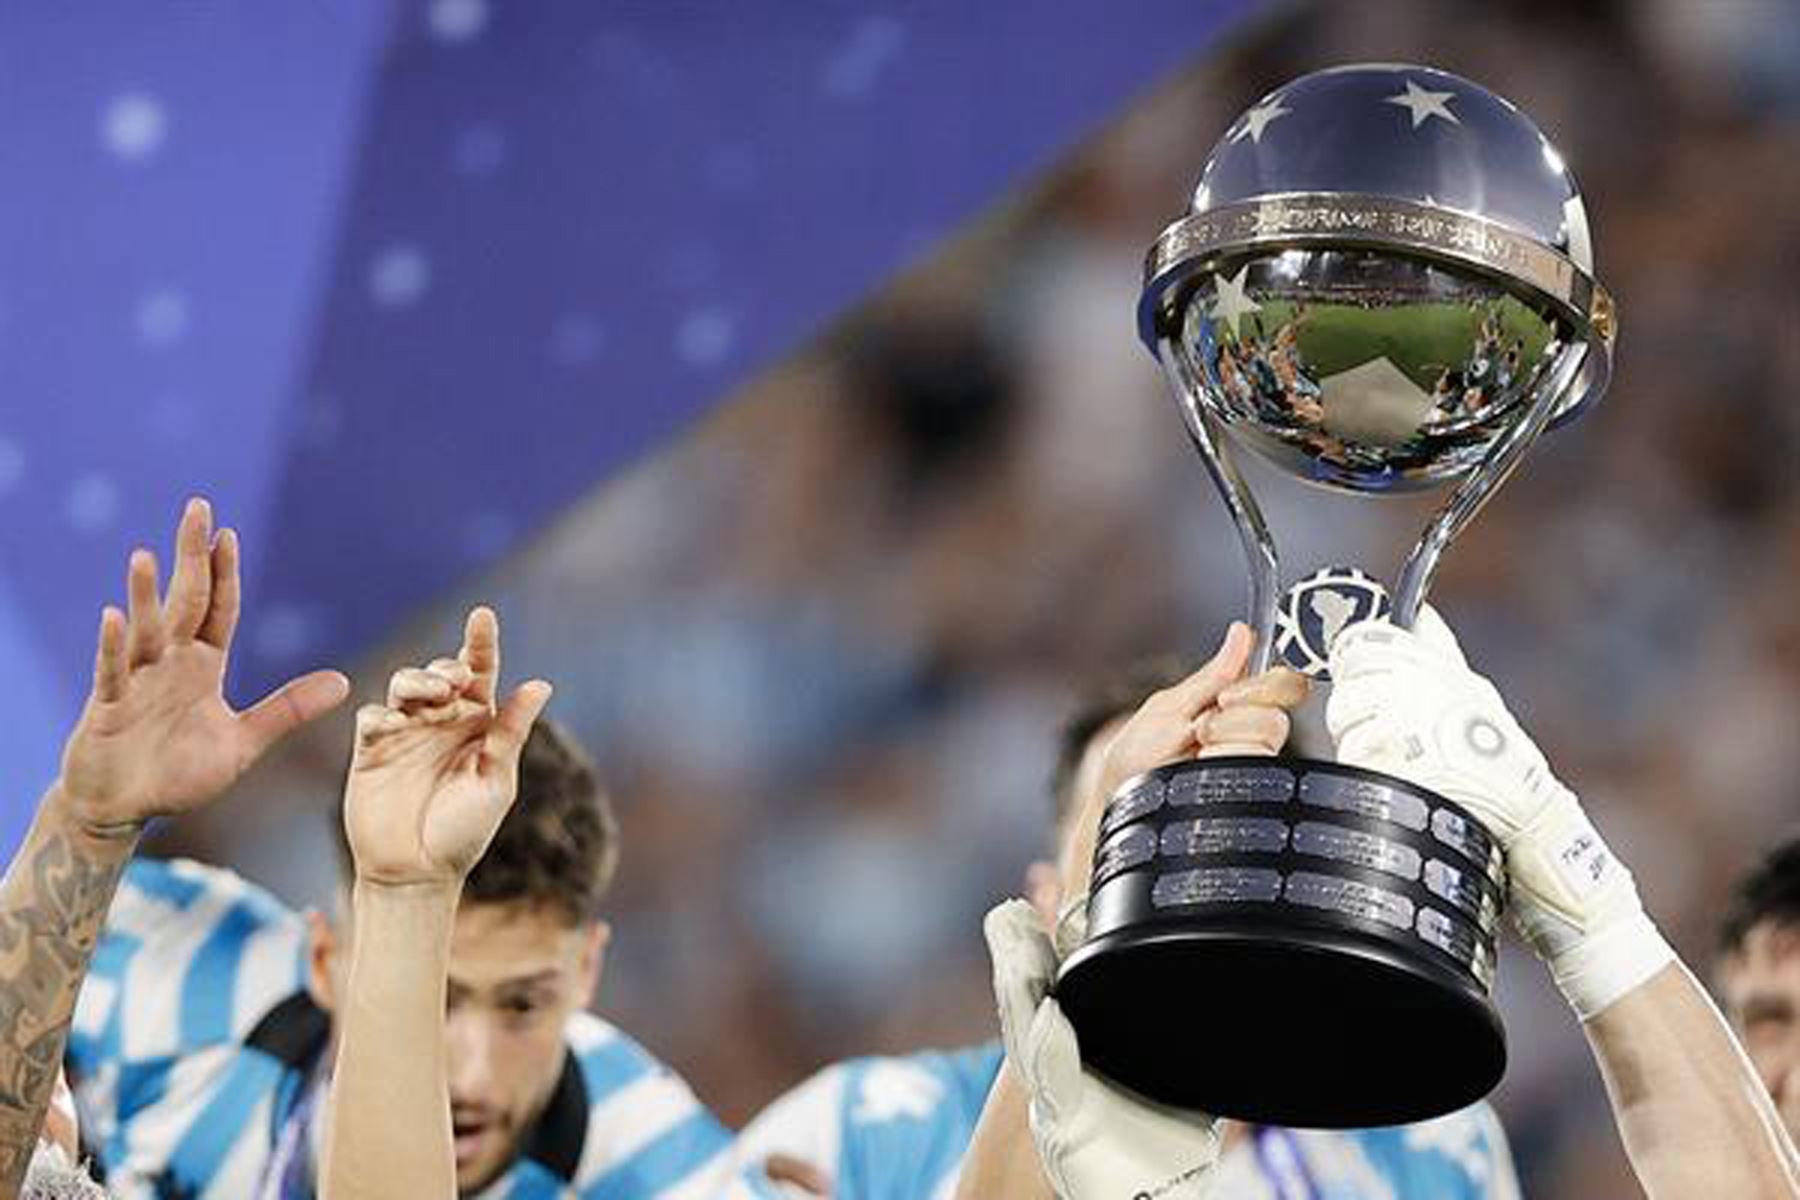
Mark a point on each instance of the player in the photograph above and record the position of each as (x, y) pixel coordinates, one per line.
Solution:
(1759, 974)
(878, 1128)
(155, 738)
(433, 775)
(202, 1043)
(1693, 1118)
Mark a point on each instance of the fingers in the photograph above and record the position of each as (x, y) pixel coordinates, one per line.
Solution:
(481, 653)
(190, 585)
(222, 613)
(456, 710)
(1149, 741)
(453, 669)
(1355, 704)
(797, 1173)
(144, 637)
(1381, 672)
(1252, 716)
(376, 721)
(444, 692)
(1429, 627)
(440, 682)
(455, 691)
(1374, 747)
(111, 667)
(1278, 687)
(290, 706)
(1201, 689)
(1024, 966)
(1376, 647)
(506, 738)
(1053, 1061)
(1243, 729)
(419, 686)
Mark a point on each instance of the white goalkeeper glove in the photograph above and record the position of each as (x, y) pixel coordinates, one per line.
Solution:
(1407, 704)
(1096, 1140)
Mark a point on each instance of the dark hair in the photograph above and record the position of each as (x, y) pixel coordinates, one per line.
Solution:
(559, 846)
(1770, 892)
(1107, 700)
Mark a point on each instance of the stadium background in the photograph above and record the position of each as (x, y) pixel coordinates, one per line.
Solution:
(820, 637)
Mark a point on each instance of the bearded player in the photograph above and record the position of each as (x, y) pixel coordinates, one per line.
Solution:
(435, 771)
(202, 1044)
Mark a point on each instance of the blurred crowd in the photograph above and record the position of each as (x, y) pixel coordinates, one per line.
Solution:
(822, 643)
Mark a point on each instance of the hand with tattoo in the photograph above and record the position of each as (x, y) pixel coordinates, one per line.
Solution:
(155, 738)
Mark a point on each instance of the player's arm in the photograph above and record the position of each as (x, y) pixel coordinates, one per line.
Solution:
(1001, 1162)
(1693, 1116)
(433, 773)
(1689, 1106)
(1050, 1128)
(155, 738)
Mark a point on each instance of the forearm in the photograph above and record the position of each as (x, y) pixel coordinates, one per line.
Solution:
(1002, 1163)
(388, 1133)
(1694, 1117)
(53, 904)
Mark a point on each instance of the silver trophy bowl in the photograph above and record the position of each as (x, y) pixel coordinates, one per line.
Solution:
(1364, 370)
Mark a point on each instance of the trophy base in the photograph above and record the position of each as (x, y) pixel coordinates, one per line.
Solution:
(1290, 942)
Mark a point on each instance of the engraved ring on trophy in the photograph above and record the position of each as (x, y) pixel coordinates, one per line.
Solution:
(1384, 284)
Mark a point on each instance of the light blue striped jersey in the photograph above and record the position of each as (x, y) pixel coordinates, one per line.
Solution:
(195, 1049)
(897, 1129)
(883, 1128)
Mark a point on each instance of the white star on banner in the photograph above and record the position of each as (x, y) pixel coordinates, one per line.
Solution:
(1422, 104)
(1230, 304)
(1258, 118)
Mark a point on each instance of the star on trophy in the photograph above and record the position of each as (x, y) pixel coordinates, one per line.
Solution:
(1383, 284)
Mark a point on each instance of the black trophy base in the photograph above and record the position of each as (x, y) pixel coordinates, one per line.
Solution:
(1292, 943)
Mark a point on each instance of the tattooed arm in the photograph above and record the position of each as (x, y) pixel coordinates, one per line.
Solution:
(52, 905)
(156, 738)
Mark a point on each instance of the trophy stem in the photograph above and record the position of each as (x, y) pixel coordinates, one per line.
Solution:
(1253, 530)
(1479, 487)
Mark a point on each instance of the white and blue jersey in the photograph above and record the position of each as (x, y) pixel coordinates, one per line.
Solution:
(196, 1055)
(897, 1129)
(882, 1128)
(1462, 1156)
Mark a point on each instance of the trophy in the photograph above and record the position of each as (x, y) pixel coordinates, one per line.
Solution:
(1384, 284)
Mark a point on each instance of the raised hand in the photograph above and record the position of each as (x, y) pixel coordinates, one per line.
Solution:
(156, 736)
(1407, 703)
(1096, 1140)
(1692, 1115)
(436, 767)
(1214, 711)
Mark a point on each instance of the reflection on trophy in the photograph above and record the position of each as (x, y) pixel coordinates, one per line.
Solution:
(1384, 283)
